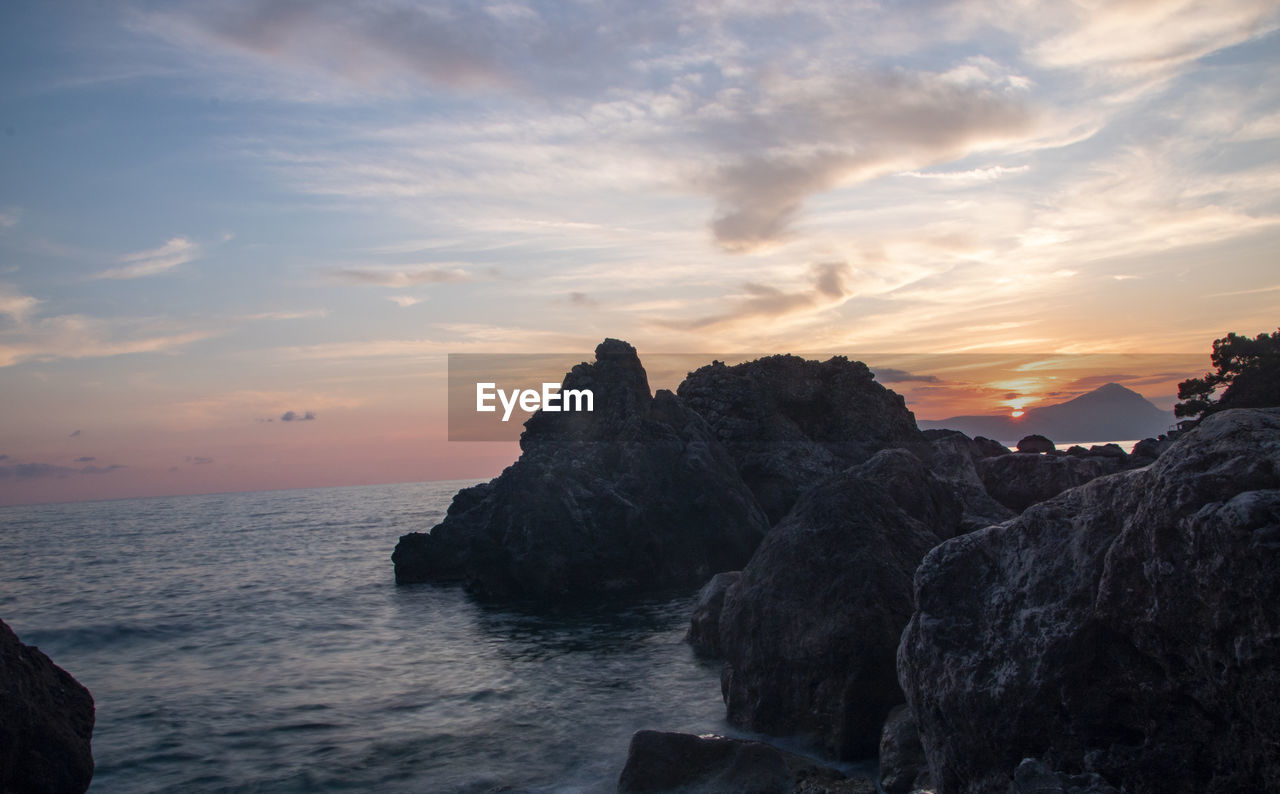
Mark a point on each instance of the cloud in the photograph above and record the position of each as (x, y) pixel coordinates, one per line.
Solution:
(404, 301)
(298, 315)
(38, 471)
(86, 459)
(9, 217)
(582, 299)
(75, 433)
(16, 305)
(890, 375)
(405, 277)
(177, 251)
(292, 416)
(198, 460)
(828, 287)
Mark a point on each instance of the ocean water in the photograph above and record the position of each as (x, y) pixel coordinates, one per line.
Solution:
(257, 642)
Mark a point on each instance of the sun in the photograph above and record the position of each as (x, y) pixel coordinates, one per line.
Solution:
(1017, 413)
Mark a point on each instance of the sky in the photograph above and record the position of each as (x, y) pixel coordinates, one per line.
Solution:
(214, 216)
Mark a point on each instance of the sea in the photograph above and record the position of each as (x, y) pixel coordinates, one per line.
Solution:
(257, 642)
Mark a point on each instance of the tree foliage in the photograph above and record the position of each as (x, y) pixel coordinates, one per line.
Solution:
(1247, 372)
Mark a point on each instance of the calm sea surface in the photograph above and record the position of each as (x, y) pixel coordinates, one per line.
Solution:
(257, 642)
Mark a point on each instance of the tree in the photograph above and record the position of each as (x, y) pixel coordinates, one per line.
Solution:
(1249, 369)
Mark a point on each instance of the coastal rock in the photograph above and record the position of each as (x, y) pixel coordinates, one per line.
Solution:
(1151, 448)
(1019, 480)
(989, 447)
(637, 494)
(46, 722)
(1034, 776)
(810, 631)
(704, 623)
(903, 766)
(1035, 443)
(788, 422)
(1126, 628)
(1109, 451)
(953, 458)
(659, 762)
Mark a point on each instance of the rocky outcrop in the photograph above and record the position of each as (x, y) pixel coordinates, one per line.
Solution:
(662, 763)
(46, 722)
(903, 766)
(1019, 480)
(1034, 776)
(704, 623)
(953, 458)
(788, 422)
(637, 494)
(809, 632)
(1035, 443)
(1127, 628)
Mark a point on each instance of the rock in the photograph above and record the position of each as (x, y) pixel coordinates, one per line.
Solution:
(1035, 777)
(1077, 451)
(903, 766)
(46, 722)
(1109, 451)
(788, 422)
(635, 495)
(660, 762)
(1151, 448)
(1126, 628)
(810, 631)
(1019, 480)
(952, 457)
(1035, 443)
(990, 447)
(704, 624)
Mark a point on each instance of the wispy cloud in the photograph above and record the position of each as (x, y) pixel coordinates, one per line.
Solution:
(404, 301)
(294, 416)
(399, 277)
(154, 261)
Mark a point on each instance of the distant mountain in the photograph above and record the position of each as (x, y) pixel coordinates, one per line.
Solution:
(1108, 413)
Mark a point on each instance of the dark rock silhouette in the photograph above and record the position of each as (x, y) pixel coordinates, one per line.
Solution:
(1034, 776)
(788, 422)
(1108, 412)
(810, 631)
(1126, 628)
(46, 723)
(659, 763)
(635, 495)
(704, 623)
(1019, 480)
(903, 766)
(1035, 443)
(953, 458)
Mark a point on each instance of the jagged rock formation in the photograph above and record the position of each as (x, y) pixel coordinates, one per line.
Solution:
(666, 763)
(810, 631)
(637, 494)
(46, 723)
(1019, 480)
(903, 766)
(704, 623)
(1127, 628)
(953, 457)
(788, 422)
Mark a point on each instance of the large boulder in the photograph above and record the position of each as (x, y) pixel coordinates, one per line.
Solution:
(46, 722)
(903, 766)
(1019, 480)
(637, 494)
(667, 763)
(1127, 628)
(809, 632)
(788, 421)
(954, 458)
(704, 623)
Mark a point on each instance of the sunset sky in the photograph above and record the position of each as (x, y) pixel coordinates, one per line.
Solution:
(214, 214)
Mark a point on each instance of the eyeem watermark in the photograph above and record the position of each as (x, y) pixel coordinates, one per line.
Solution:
(549, 399)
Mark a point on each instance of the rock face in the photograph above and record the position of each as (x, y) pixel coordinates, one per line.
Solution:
(1035, 443)
(679, 762)
(1019, 480)
(903, 766)
(637, 494)
(704, 623)
(788, 422)
(1127, 628)
(809, 632)
(954, 457)
(46, 722)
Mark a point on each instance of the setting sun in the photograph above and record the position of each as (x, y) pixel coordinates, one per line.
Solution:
(1016, 414)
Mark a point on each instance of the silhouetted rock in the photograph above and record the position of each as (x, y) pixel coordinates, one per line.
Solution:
(810, 631)
(1019, 480)
(788, 422)
(952, 457)
(903, 766)
(1148, 449)
(1109, 451)
(636, 494)
(1076, 450)
(1126, 628)
(659, 763)
(46, 723)
(989, 447)
(1035, 443)
(704, 623)
(1035, 777)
